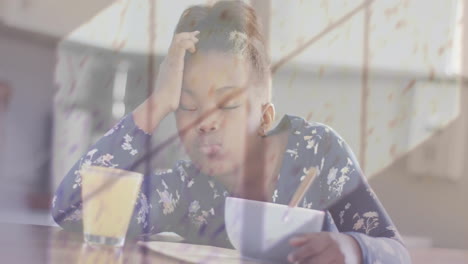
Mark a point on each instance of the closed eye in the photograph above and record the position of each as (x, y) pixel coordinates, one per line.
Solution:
(229, 107)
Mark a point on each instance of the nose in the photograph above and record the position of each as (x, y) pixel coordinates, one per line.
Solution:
(208, 124)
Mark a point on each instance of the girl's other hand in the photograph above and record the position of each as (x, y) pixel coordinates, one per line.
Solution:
(325, 247)
(169, 82)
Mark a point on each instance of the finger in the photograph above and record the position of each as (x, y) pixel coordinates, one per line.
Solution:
(175, 56)
(192, 49)
(307, 250)
(314, 261)
(185, 35)
(329, 255)
(300, 240)
(182, 36)
(195, 39)
(195, 34)
(183, 43)
(189, 45)
(186, 44)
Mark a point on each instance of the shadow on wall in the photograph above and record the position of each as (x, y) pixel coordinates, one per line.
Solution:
(427, 205)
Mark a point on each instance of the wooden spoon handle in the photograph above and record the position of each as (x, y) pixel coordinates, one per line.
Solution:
(303, 187)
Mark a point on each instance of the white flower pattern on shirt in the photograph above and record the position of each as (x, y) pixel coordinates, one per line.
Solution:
(179, 192)
(116, 127)
(342, 212)
(190, 183)
(275, 195)
(293, 153)
(307, 204)
(105, 161)
(143, 210)
(128, 146)
(84, 163)
(167, 199)
(368, 221)
(76, 215)
(54, 200)
(335, 183)
(197, 216)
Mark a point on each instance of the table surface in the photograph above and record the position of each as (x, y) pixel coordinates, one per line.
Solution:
(43, 244)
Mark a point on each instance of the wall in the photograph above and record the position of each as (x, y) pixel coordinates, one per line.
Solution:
(27, 63)
(425, 206)
(49, 17)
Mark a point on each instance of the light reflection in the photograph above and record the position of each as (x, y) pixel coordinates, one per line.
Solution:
(119, 91)
(93, 254)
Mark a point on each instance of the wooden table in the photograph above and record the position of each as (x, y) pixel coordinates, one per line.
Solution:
(439, 255)
(41, 244)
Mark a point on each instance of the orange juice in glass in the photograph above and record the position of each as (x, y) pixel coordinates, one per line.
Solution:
(109, 197)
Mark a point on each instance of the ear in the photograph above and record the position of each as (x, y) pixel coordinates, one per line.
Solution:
(268, 116)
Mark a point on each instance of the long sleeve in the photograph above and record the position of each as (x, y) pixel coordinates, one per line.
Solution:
(354, 207)
(159, 201)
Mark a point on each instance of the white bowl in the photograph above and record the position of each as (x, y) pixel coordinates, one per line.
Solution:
(262, 230)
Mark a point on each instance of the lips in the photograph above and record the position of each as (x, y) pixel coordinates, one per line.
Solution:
(209, 146)
(210, 149)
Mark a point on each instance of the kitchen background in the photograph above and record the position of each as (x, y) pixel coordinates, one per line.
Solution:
(389, 76)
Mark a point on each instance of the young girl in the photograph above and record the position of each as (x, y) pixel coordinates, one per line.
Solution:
(216, 79)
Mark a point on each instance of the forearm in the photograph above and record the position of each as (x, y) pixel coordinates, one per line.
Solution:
(355, 249)
(380, 249)
(151, 112)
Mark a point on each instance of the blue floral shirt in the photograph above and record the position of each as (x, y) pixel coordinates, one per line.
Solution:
(191, 204)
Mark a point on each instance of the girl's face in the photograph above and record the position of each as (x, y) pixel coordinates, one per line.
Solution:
(218, 112)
